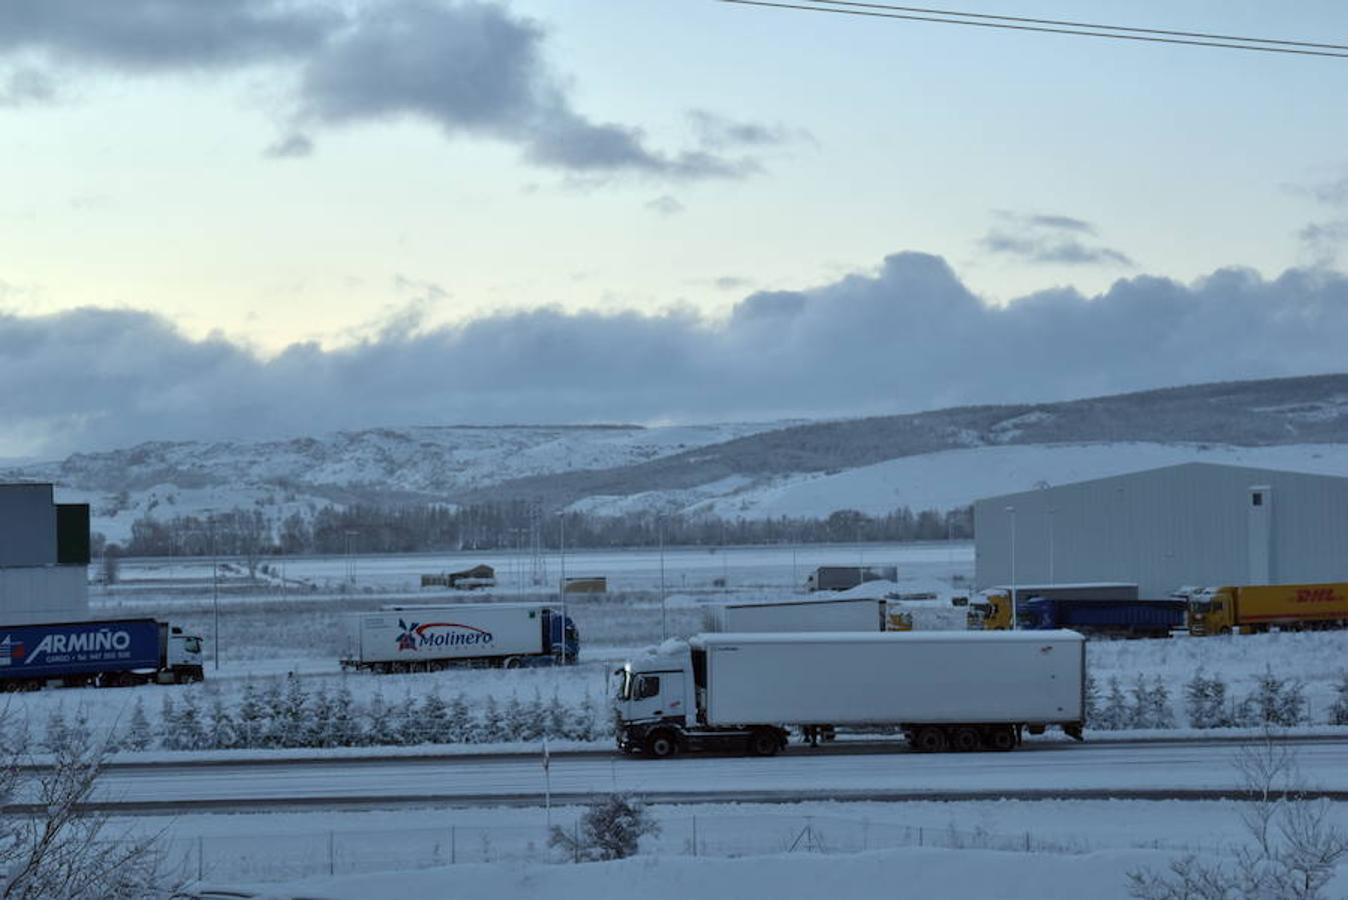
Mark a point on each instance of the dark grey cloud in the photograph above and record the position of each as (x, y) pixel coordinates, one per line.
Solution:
(1324, 241)
(164, 34)
(292, 146)
(665, 205)
(865, 344)
(25, 85)
(718, 132)
(1050, 239)
(471, 67)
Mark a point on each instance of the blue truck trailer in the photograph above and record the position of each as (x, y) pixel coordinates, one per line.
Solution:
(110, 653)
(1103, 618)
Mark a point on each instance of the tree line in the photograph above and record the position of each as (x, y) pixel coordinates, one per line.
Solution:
(518, 525)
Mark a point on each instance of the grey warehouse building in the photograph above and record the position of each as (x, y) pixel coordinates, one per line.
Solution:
(44, 556)
(1193, 524)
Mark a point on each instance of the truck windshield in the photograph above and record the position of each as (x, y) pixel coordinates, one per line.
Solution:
(192, 645)
(1200, 605)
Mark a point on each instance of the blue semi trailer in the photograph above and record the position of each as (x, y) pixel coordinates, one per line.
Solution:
(110, 653)
(1105, 618)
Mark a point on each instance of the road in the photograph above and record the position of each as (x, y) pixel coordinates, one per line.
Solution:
(1196, 769)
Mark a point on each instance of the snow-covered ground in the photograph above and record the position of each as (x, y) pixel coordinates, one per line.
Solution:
(503, 852)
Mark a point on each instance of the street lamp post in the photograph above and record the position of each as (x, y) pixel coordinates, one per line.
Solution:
(664, 621)
(1051, 511)
(562, 517)
(1011, 511)
(215, 588)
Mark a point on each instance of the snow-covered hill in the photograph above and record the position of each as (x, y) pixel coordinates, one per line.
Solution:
(424, 464)
(954, 478)
(933, 460)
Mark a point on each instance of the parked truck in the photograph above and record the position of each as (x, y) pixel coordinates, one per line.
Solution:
(856, 614)
(1255, 608)
(991, 609)
(108, 653)
(425, 638)
(844, 578)
(1141, 618)
(946, 690)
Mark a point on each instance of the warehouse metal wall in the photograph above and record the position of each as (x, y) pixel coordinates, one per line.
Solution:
(1189, 524)
(27, 525)
(43, 594)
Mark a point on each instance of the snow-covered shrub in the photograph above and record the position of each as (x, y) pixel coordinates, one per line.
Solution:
(1338, 713)
(1205, 701)
(1114, 713)
(1091, 712)
(610, 829)
(1150, 705)
(1274, 701)
(139, 735)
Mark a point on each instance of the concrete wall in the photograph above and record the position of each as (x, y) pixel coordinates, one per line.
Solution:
(1189, 524)
(27, 525)
(43, 594)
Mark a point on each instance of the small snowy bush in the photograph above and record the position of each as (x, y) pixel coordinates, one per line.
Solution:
(610, 829)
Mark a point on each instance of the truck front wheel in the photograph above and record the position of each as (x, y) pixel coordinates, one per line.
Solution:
(661, 745)
(764, 742)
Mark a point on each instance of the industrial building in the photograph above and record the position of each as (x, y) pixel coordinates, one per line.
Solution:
(1196, 524)
(44, 556)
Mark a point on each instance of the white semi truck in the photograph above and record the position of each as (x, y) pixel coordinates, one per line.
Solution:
(423, 638)
(946, 690)
(803, 615)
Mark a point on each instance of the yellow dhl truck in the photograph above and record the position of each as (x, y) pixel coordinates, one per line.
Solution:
(1255, 608)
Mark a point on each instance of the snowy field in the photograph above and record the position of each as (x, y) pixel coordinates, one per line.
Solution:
(504, 852)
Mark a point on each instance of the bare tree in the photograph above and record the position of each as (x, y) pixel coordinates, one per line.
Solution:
(1293, 846)
(51, 846)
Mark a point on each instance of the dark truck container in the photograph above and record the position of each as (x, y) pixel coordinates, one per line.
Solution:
(1107, 617)
(103, 653)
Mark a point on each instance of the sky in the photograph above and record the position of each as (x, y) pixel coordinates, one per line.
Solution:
(239, 218)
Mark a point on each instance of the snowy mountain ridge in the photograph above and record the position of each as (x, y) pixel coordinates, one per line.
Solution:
(938, 460)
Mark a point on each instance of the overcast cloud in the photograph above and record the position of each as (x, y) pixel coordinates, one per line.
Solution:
(909, 336)
(471, 68)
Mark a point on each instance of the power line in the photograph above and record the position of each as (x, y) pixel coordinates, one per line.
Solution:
(885, 13)
(1091, 25)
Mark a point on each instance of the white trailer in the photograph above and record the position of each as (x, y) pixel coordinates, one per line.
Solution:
(856, 614)
(422, 638)
(945, 690)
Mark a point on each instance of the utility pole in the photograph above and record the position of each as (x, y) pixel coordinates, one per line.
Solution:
(664, 621)
(1011, 511)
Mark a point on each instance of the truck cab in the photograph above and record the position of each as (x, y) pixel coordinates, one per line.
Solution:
(1212, 611)
(990, 610)
(183, 658)
(655, 694)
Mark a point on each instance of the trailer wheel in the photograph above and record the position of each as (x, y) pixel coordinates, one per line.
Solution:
(661, 745)
(763, 742)
(929, 740)
(511, 662)
(966, 740)
(1002, 739)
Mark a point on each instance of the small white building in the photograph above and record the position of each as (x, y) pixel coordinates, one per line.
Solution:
(44, 556)
(1192, 524)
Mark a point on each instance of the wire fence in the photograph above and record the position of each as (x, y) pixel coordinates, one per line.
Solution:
(264, 857)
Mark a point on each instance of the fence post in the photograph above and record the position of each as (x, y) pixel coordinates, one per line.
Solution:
(332, 853)
(1027, 842)
(453, 844)
(694, 835)
(201, 857)
(575, 841)
(919, 835)
(865, 834)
